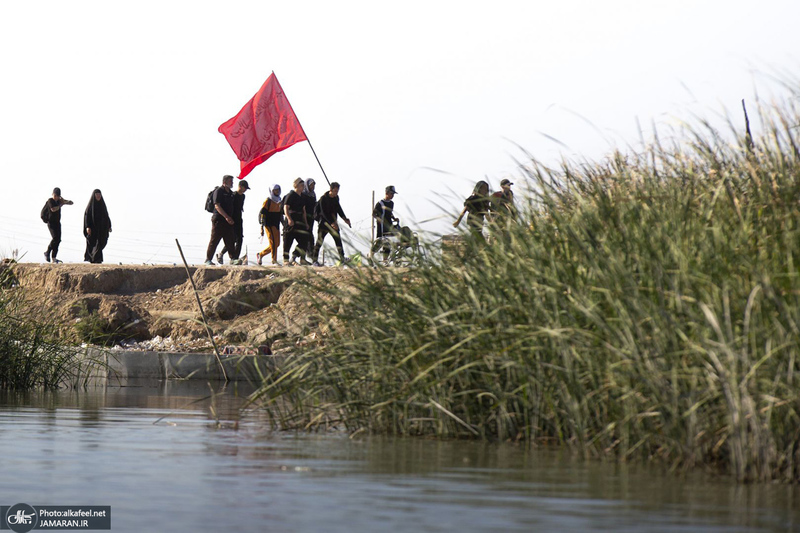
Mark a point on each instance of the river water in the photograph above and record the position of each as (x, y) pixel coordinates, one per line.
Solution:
(167, 457)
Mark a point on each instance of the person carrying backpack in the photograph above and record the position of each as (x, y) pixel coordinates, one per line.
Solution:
(51, 215)
(326, 212)
(221, 221)
(270, 218)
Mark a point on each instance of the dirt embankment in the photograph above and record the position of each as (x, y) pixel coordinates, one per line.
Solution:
(156, 305)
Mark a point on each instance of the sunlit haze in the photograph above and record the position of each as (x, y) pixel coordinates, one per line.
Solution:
(427, 96)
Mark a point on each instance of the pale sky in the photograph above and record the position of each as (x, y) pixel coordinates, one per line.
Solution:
(428, 96)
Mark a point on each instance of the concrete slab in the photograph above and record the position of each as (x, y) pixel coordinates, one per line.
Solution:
(129, 364)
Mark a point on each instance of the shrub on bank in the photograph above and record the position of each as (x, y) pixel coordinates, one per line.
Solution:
(642, 307)
(31, 352)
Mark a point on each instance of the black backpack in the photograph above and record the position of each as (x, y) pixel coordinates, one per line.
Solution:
(46, 212)
(210, 200)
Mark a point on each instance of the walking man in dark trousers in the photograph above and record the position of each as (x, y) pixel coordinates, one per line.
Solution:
(294, 207)
(238, 227)
(222, 223)
(329, 210)
(310, 198)
(383, 213)
(54, 224)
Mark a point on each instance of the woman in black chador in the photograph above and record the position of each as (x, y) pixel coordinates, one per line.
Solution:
(96, 227)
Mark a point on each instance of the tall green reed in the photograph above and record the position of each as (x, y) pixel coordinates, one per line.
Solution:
(645, 306)
(33, 353)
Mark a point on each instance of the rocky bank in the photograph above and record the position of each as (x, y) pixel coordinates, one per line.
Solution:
(155, 306)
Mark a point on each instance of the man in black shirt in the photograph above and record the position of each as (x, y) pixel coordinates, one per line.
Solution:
(502, 205)
(222, 222)
(329, 209)
(54, 224)
(294, 207)
(503, 212)
(383, 213)
(477, 207)
(310, 198)
(238, 227)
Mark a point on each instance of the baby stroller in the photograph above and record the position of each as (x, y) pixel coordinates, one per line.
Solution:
(403, 246)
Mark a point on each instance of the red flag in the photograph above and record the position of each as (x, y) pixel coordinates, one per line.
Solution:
(265, 126)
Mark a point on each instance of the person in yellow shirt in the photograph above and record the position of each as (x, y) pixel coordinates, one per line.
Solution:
(270, 218)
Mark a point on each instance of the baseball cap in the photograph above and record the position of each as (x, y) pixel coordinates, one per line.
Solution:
(57, 191)
(391, 189)
(244, 182)
(505, 182)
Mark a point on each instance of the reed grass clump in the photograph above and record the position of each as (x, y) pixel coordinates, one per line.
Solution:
(646, 306)
(32, 352)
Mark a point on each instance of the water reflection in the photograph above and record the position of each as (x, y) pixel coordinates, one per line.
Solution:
(185, 456)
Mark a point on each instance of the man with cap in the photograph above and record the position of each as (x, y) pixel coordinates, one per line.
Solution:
(503, 212)
(383, 213)
(329, 211)
(238, 226)
(502, 206)
(222, 220)
(52, 211)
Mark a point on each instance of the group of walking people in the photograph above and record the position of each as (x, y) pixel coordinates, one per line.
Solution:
(290, 219)
(96, 226)
(498, 207)
(291, 216)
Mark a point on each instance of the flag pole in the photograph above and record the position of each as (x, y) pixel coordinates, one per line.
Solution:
(315, 157)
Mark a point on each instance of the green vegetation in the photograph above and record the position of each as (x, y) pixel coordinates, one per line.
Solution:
(91, 328)
(644, 307)
(31, 352)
